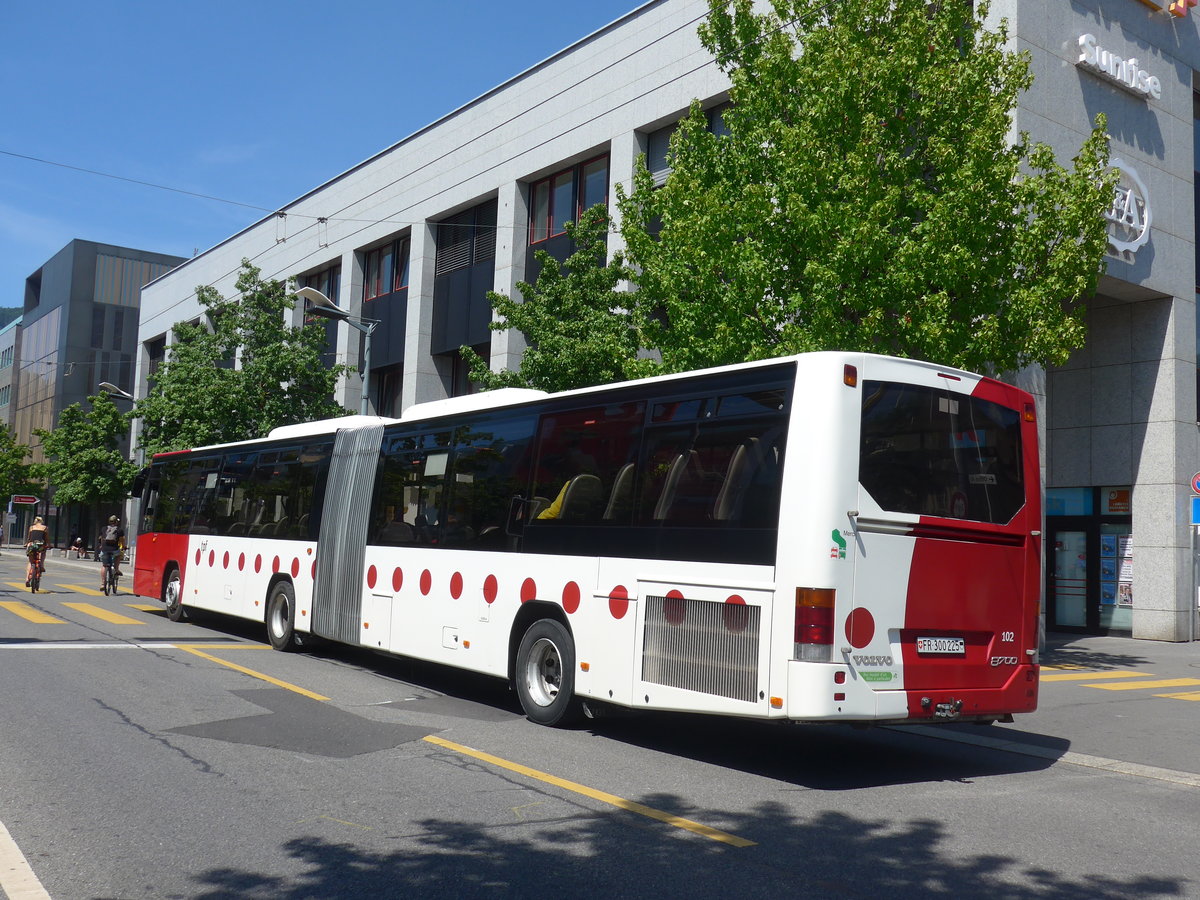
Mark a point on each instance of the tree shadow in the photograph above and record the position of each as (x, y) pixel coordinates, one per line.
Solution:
(1080, 650)
(611, 854)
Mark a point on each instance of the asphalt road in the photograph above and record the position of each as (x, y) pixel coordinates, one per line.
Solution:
(141, 758)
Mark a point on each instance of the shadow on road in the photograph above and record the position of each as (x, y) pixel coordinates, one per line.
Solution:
(829, 854)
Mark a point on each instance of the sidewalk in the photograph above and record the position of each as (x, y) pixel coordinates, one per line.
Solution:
(1131, 700)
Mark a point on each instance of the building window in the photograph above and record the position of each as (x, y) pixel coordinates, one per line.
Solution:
(98, 326)
(327, 281)
(156, 352)
(119, 280)
(559, 199)
(385, 269)
(466, 239)
(658, 143)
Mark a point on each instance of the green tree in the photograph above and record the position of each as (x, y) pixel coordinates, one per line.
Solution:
(869, 195)
(197, 396)
(84, 463)
(16, 476)
(581, 329)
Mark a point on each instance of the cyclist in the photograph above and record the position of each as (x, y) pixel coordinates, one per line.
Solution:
(111, 545)
(37, 539)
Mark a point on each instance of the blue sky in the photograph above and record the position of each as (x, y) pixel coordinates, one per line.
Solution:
(253, 101)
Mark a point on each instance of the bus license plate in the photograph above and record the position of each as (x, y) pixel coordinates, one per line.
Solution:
(941, 645)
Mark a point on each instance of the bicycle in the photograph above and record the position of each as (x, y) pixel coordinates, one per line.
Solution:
(111, 576)
(34, 552)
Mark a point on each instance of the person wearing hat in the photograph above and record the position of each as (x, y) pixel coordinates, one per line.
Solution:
(111, 544)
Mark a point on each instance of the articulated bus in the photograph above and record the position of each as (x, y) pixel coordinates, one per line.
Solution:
(824, 537)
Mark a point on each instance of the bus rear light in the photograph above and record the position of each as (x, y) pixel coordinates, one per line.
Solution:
(1029, 414)
(850, 376)
(814, 624)
(776, 703)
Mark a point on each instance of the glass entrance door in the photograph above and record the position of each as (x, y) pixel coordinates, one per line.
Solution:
(1066, 593)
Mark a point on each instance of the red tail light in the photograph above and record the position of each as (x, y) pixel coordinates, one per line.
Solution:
(814, 624)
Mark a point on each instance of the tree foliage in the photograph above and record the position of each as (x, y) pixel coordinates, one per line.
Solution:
(869, 195)
(16, 476)
(197, 396)
(580, 326)
(84, 461)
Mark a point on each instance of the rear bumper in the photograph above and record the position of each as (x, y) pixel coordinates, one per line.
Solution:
(815, 695)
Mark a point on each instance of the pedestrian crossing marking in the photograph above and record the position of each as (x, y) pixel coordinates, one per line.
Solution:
(30, 613)
(116, 618)
(146, 607)
(1092, 676)
(1061, 668)
(87, 591)
(1194, 695)
(1143, 685)
(19, 585)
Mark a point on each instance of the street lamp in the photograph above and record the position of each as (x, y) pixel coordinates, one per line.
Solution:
(320, 305)
(109, 388)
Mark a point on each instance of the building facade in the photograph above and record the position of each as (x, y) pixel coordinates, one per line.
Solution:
(416, 235)
(79, 328)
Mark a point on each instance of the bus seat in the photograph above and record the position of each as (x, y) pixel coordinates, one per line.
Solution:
(237, 528)
(581, 499)
(666, 498)
(622, 493)
(742, 466)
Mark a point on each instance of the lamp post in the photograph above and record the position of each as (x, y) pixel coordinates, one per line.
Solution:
(318, 304)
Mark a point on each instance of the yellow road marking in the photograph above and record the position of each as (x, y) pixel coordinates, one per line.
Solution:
(145, 607)
(1063, 668)
(194, 650)
(19, 585)
(1143, 685)
(107, 615)
(1194, 695)
(80, 589)
(1092, 676)
(602, 796)
(29, 613)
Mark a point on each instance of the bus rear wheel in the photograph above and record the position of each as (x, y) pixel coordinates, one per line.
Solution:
(545, 674)
(173, 595)
(281, 617)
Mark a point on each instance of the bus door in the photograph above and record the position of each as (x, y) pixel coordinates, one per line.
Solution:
(341, 545)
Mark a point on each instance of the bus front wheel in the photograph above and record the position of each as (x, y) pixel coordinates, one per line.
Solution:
(281, 617)
(545, 674)
(173, 595)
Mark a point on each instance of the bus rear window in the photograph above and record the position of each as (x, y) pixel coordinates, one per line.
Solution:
(932, 452)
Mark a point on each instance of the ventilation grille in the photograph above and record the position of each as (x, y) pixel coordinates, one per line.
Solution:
(711, 648)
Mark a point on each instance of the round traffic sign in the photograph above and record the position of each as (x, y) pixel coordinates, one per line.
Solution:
(1196, 482)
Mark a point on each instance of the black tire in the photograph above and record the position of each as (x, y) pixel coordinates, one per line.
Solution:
(107, 582)
(35, 580)
(173, 595)
(281, 618)
(545, 674)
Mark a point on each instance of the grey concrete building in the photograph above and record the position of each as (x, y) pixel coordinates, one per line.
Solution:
(79, 328)
(416, 234)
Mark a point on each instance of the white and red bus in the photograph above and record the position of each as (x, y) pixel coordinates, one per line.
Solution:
(825, 537)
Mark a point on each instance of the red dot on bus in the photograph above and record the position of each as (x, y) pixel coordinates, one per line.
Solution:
(197, 556)
(426, 582)
(736, 614)
(241, 561)
(296, 567)
(528, 590)
(674, 608)
(225, 560)
(258, 563)
(491, 588)
(212, 557)
(456, 585)
(860, 627)
(371, 576)
(314, 570)
(618, 601)
(397, 579)
(570, 597)
(275, 565)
